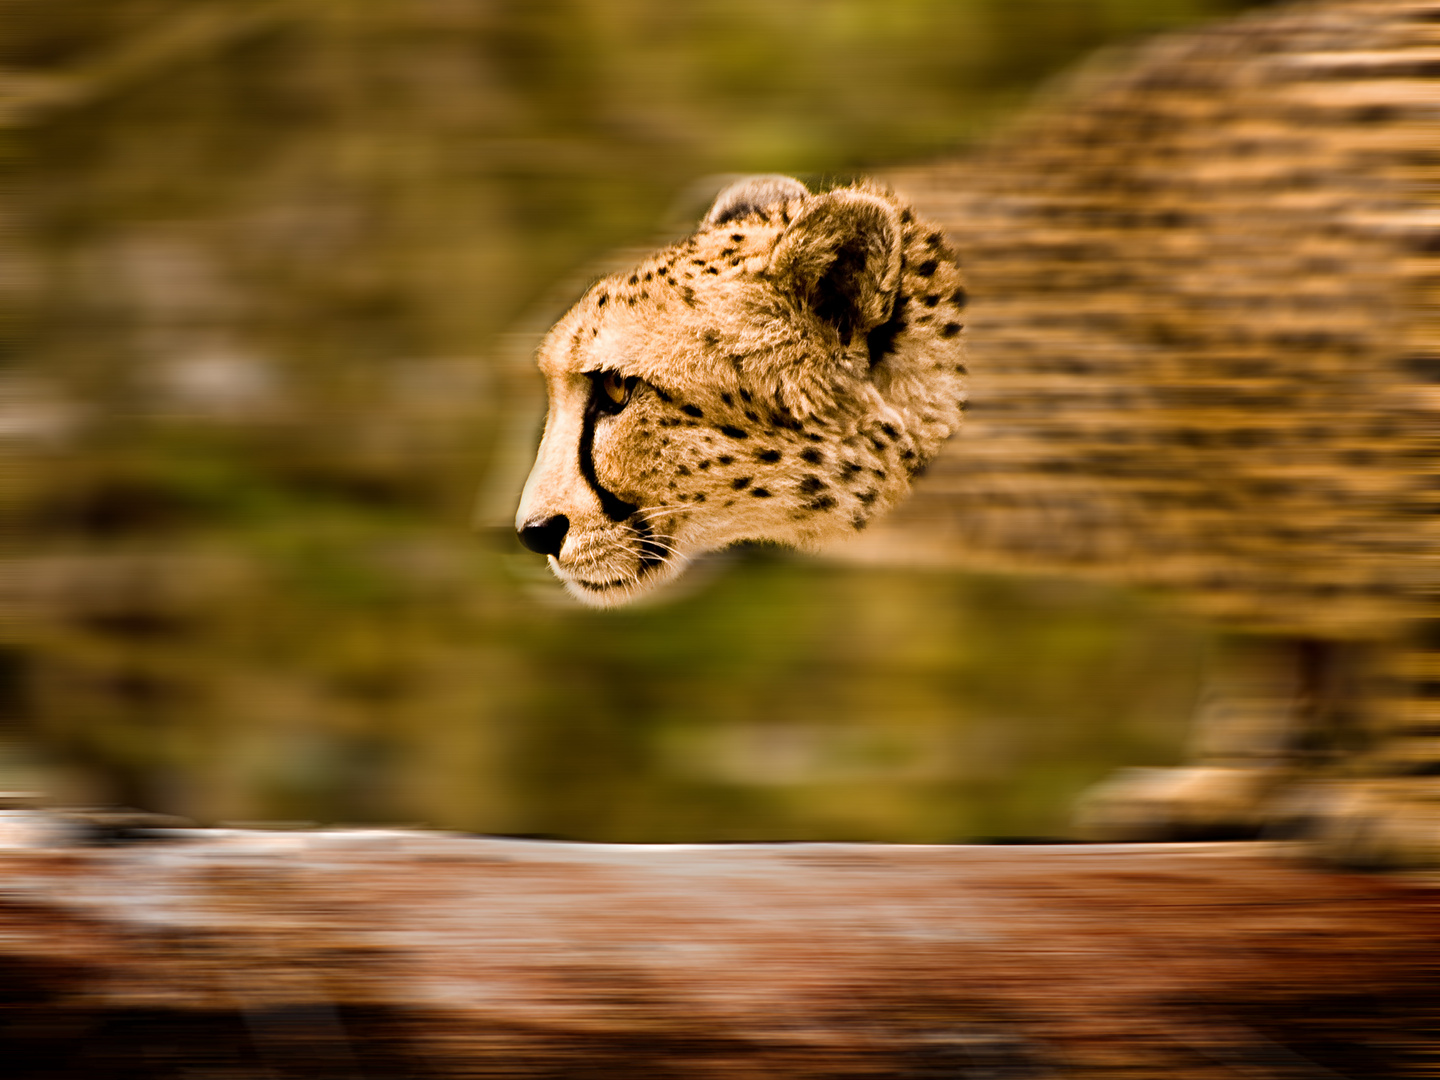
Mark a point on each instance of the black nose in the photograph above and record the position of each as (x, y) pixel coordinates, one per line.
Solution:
(545, 537)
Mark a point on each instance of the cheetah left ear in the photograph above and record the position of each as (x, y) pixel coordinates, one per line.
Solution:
(840, 258)
(754, 195)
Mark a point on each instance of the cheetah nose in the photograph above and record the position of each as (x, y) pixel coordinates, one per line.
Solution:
(545, 537)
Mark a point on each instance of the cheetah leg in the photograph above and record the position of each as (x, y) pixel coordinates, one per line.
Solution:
(1262, 721)
(1383, 811)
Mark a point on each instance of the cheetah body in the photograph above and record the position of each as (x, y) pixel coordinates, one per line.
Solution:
(1205, 359)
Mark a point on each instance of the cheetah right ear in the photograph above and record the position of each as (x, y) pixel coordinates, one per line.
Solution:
(753, 195)
(840, 258)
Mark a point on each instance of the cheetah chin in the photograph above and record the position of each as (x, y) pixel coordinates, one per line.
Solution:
(779, 376)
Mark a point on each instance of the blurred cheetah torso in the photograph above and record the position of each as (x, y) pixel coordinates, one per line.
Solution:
(1204, 336)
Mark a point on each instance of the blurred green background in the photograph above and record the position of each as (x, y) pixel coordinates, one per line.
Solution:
(271, 274)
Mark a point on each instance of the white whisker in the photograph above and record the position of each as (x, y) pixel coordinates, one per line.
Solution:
(651, 513)
(668, 548)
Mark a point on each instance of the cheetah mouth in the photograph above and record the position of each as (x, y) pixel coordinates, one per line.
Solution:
(651, 554)
(600, 586)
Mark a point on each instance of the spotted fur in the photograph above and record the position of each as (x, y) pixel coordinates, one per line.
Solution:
(1203, 326)
(770, 378)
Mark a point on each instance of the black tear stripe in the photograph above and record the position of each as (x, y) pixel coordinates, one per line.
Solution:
(652, 551)
(615, 508)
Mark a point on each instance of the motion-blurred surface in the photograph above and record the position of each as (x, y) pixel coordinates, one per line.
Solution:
(260, 264)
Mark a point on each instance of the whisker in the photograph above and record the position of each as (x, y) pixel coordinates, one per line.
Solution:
(652, 512)
(657, 543)
(663, 544)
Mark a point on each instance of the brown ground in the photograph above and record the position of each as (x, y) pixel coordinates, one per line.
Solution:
(390, 954)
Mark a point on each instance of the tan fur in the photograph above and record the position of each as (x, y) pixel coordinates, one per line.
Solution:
(766, 407)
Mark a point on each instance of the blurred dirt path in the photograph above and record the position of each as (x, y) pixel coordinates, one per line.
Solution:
(215, 953)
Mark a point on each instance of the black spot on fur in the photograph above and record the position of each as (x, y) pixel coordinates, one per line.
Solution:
(738, 237)
(662, 395)
(1373, 114)
(810, 484)
(648, 275)
(934, 240)
(745, 395)
(810, 454)
(751, 414)
(704, 464)
(857, 523)
(1423, 366)
(867, 497)
(727, 399)
(726, 459)
(634, 279)
(813, 437)
(683, 470)
(734, 432)
(931, 299)
(602, 299)
(889, 429)
(926, 268)
(848, 469)
(760, 493)
(688, 295)
(740, 483)
(771, 456)
(783, 419)
(907, 216)
(692, 410)
(824, 502)
(1425, 243)
(880, 341)
(959, 299)
(711, 270)
(950, 329)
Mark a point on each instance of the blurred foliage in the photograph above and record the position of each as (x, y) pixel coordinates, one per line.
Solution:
(272, 271)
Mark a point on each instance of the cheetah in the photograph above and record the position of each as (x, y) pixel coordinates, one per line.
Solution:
(1199, 305)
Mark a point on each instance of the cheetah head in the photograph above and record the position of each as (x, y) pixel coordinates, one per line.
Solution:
(781, 375)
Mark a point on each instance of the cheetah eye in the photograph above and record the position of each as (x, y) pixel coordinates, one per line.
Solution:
(614, 386)
(613, 390)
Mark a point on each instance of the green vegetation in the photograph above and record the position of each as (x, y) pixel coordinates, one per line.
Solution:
(273, 271)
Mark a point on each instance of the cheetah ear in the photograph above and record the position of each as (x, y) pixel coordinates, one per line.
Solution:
(754, 195)
(840, 258)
